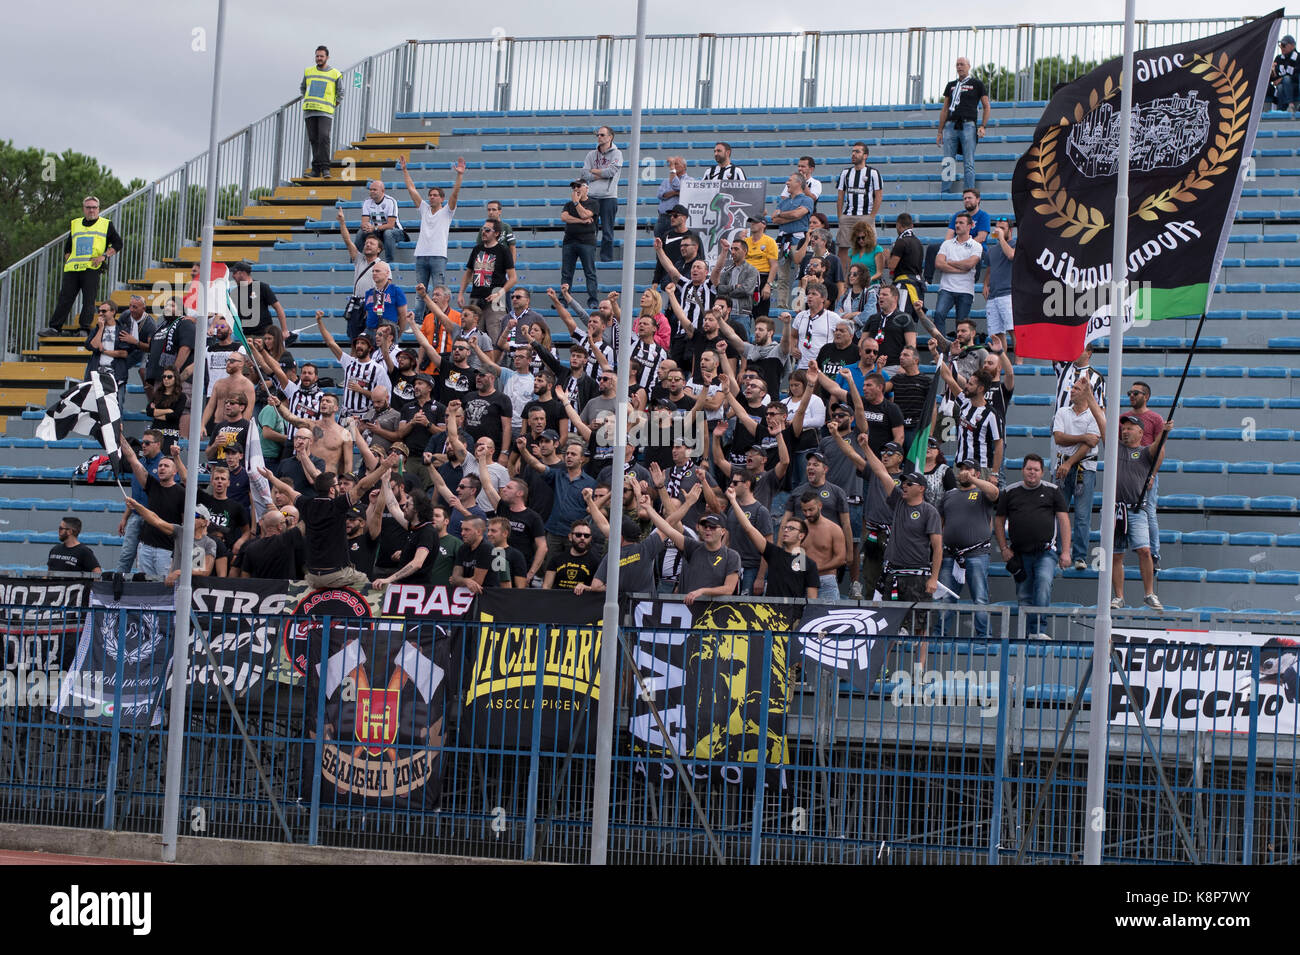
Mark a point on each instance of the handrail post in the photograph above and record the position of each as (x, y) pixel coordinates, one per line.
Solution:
(408, 93)
(605, 53)
(182, 206)
(504, 48)
(918, 87)
(277, 151)
(363, 122)
(246, 174)
(808, 68)
(704, 70)
(150, 209)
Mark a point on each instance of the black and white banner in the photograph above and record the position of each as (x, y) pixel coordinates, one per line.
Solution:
(720, 209)
(1204, 681)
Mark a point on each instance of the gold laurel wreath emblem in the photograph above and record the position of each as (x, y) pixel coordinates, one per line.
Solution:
(1073, 218)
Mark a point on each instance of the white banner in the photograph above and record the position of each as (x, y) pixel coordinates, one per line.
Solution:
(1202, 680)
(721, 209)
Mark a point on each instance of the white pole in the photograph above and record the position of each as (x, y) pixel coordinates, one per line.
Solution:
(1099, 729)
(609, 636)
(180, 651)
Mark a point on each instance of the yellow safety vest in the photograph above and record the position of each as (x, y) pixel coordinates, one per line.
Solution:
(321, 91)
(88, 241)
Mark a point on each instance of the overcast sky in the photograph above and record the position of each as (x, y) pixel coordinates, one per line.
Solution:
(118, 79)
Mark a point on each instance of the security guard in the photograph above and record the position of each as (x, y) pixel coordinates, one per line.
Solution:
(92, 241)
(322, 91)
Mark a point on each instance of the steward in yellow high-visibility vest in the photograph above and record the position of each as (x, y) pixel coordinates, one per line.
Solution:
(92, 241)
(322, 91)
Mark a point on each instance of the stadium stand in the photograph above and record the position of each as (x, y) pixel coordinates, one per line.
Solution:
(1230, 518)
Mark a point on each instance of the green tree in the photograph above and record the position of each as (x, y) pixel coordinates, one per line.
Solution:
(40, 192)
(1048, 72)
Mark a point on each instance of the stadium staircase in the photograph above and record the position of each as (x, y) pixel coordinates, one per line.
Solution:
(1229, 516)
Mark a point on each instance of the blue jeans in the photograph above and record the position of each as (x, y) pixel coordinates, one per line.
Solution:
(745, 321)
(1036, 589)
(388, 237)
(747, 577)
(1285, 93)
(977, 577)
(1079, 495)
(154, 561)
(662, 224)
(430, 271)
(130, 543)
(949, 300)
(828, 587)
(608, 210)
(1149, 509)
(965, 138)
(569, 254)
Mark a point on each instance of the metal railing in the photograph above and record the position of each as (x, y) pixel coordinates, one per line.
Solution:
(974, 756)
(706, 71)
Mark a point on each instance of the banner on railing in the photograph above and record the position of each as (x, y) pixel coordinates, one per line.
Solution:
(721, 209)
(1181, 684)
(513, 651)
(714, 682)
(851, 640)
(122, 656)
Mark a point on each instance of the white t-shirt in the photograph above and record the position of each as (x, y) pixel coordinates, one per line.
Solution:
(955, 251)
(378, 212)
(1067, 422)
(434, 228)
(814, 416)
(812, 333)
(813, 187)
(519, 389)
(107, 342)
(695, 388)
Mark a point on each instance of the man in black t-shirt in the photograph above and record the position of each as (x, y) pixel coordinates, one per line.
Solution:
(1039, 537)
(962, 100)
(325, 519)
(272, 553)
(488, 277)
(69, 554)
(840, 352)
(488, 413)
(229, 520)
(474, 560)
(565, 571)
(892, 326)
(508, 565)
(906, 260)
(790, 571)
(416, 563)
(908, 390)
(879, 419)
(362, 545)
(254, 302)
(166, 498)
(581, 217)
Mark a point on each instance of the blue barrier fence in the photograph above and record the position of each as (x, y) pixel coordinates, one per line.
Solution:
(955, 750)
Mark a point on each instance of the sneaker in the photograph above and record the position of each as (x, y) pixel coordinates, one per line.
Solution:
(1152, 601)
(1040, 636)
(856, 590)
(1116, 603)
(49, 330)
(1080, 564)
(1291, 109)
(291, 338)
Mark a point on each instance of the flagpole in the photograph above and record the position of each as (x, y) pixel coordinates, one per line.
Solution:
(180, 648)
(1099, 729)
(609, 634)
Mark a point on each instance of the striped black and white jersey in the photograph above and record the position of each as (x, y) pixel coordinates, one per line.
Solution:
(593, 367)
(860, 188)
(369, 374)
(725, 172)
(695, 300)
(978, 431)
(303, 403)
(1067, 373)
(649, 355)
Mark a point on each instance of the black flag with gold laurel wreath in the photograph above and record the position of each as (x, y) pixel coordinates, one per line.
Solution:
(1196, 107)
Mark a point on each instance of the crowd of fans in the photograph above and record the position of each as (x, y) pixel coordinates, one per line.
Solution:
(778, 413)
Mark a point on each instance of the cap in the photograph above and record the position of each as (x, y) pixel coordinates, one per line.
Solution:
(201, 510)
(912, 477)
(427, 379)
(816, 456)
(576, 183)
(243, 265)
(1130, 419)
(968, 463)
(479, 370)
(357, 514)
(366, 335)
(711, 520)
(631, 529)
(753, 218)
(932, 443)
(892, 447)
(679, 210)
(665, 404)
(1288, 39)
(549, 435)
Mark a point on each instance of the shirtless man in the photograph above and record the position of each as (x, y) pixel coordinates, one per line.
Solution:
(331, 442)
(824, 545)
(233, 384)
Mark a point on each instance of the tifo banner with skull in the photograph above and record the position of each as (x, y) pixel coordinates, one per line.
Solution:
(721, 209)
(1196, 107)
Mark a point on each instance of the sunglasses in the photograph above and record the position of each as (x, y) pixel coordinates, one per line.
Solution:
(576, 536)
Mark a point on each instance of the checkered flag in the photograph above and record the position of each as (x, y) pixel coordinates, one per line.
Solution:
(88, 408)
